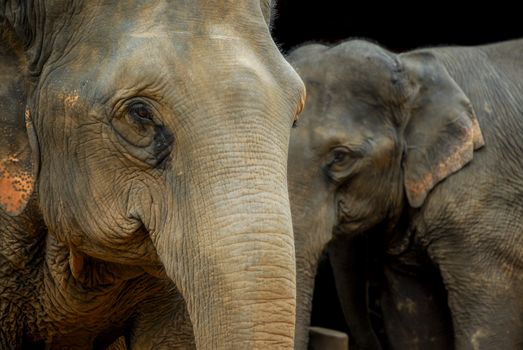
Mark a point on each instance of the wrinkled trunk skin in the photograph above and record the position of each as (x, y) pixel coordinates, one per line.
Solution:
(230, 251)
(243, 280)
(229, 247)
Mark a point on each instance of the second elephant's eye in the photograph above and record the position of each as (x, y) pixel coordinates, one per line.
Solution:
(339, 156)
(340, 163)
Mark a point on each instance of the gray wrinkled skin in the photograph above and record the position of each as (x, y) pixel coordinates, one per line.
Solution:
(413, 161)
(143, 151)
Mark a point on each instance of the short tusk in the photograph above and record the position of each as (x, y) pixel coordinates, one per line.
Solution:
(76, 263)
(301, 106)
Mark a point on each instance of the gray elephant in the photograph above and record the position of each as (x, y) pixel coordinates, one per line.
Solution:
(143, 145)
(417, 156)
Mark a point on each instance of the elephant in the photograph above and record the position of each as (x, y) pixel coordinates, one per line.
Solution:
(406, 170)
(143, 153)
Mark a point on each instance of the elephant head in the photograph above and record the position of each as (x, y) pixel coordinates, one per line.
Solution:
(155, 135)
(379, 131)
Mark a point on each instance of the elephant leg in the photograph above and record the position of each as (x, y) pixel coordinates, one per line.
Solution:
(162, 323)
(486, 304)
(483, 274)
(348, 257)
(415, 311)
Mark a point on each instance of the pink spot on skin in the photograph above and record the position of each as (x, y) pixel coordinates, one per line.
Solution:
(15, 189)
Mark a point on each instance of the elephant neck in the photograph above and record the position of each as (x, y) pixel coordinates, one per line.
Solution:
(22, 239)
(404, 243)
(77, 309)
(41, 300)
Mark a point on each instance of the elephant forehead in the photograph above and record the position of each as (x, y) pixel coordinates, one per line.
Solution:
(167, 62)
(336, 134)
(172, 44)
(154, 18)
(217, 31)
(345, 127)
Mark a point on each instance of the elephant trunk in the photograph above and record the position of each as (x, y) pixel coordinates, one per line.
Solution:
(312, 231)
(231, 250)
(306, 272)
(244, 294)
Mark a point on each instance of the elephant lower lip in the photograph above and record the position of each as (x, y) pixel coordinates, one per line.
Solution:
(346, 222)
(338, 231)
(347, 226)
(344, 216)
(342, 209)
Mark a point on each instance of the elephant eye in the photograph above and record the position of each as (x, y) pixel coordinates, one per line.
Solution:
(340, 163)
(140, 112)
(140, 130)
(339, 156)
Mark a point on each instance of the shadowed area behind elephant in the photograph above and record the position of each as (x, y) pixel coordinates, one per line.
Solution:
(412, 162)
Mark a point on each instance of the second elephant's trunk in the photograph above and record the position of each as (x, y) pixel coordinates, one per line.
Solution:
(312, 232)
(306, 272)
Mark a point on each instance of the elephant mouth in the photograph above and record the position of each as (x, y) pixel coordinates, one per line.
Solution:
(346, 221)
(342, 208)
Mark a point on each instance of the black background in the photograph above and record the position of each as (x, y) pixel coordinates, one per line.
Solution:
(398, 27)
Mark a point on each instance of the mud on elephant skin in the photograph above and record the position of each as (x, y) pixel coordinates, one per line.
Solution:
(129, 136)
(422, 149)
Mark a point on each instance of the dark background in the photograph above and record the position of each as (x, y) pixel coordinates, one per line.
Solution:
(398, 27)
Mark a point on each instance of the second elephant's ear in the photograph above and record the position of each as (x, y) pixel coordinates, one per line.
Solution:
(18, 145)
(442, 131)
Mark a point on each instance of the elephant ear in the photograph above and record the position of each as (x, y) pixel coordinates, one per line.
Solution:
(442, 131)
(18, 146)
